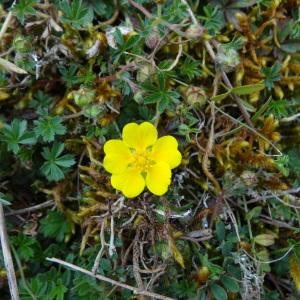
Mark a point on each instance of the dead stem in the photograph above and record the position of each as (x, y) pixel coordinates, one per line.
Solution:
(135, 290)
(8, 262)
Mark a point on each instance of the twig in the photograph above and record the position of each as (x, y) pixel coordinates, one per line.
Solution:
(224, 75)
(26, 287)
(253, 130)
(100, 253)
(269, 261)
(175, 62)
(112, 19)
(72, 116)
(112, 247)
(290, 118)
(31, 209)
(150, 16)
(8, 262)
(210, 143)
(135, 261)
(6, 24)
(106, 279)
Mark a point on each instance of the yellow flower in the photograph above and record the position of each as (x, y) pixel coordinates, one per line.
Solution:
(141, 159)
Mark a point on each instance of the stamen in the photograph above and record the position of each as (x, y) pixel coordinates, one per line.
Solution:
(142, 161)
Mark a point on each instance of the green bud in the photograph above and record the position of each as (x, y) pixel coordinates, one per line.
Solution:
(95, 110)
(83, 96)
(227, 58)
(194, 32)
(21, 44)
(195, 96)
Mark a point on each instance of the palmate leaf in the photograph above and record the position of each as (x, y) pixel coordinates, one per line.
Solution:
(55, 164)
(76, 13)
(190, 68)
(272, 74)
(159, 94)
(55, 225)
(23, 8)
(16, 134)
(26, 246)
(4, 200)
(214, 19)
(48, 126)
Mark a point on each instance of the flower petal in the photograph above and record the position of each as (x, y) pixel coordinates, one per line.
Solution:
(165, 149)
(158, 178)
(139, 136)
(118, 156)
(131, 183)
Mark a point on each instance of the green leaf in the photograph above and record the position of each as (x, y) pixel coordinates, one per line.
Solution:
(58, 292)
(69, 74)
(23, 8)
(102, 8)
(214, 19)
(230, 284)
(48, 126)
(292, 46)
(220, 231)
(247, 89)
(158, 94)
(41, 102)
(55, 225)
(272, 74)
(264, 239)
(218, 292)
(26, 246)
(241, 3)
(55, 164)
(4, 199)
(76, 13)
(36, 286)
(190, 68)
(220, 97)
(279, 108)
(254, 213)
(236, 43)
(16, 134)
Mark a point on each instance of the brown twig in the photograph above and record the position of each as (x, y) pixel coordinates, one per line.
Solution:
(143, 10)
(30, 209)
(210, 141)
(106, 279)
(224, 75)
(135, 261)
(6, 24)
(8, 262)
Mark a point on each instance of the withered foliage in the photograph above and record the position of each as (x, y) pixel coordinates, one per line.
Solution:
(222, 76)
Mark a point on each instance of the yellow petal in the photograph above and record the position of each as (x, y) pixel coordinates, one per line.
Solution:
(165, 149)
(158, 178)
(131, 183)
(139, 136)
(118, 156)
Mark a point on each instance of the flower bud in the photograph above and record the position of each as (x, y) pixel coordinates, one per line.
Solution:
(95, 110)
(203, 274)
(144, 72)
(194, 32)
(227, 58)
(83, 96)
(21, 44)
(153, 39)
(278, 91)
(195, 96)
(249, 178)
(138, 97)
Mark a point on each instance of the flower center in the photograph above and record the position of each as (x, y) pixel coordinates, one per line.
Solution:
(142, 161)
